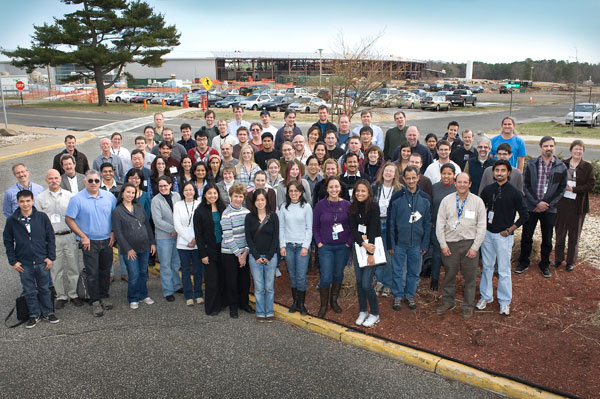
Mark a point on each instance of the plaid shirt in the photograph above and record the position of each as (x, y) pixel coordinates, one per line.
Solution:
(543, 176)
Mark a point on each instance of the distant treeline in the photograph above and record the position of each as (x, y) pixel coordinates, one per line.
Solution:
(543, 70)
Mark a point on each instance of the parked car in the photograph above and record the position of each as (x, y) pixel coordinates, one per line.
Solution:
(409, 100)
(462, 97)
(248, 90)
(278, 104)
(504, 90)
(307, 104)
(419, 92)
(117, 96)
(178, 101)
(212, 99)
(463, 86)
(435, 102)
(159, 97)
(423, 86)
(383, 100)
(229, 101)
(126, 97)
(449, 87)
(435, 87)
(585, 114)
(255, 101)
(144, 95)
(443, 93)
(296, 92)
(477, 89)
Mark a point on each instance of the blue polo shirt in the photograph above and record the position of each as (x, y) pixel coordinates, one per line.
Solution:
(92, 214)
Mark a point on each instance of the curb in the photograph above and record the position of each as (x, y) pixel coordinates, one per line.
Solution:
(45, 148)
(414, 357)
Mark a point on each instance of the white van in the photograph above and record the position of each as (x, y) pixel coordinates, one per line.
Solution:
(296, 92)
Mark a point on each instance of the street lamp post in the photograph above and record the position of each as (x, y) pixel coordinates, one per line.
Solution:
(320, 67)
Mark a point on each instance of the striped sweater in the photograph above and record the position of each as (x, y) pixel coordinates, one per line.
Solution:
(234, 236)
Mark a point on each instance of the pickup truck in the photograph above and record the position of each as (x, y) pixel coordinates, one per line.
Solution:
(462, 97)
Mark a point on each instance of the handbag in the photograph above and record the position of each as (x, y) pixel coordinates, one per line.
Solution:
(22, 312)
(82, 285)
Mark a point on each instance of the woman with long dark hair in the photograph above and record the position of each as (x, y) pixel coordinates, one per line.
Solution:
(199, 173)
(321, 152)
(331, 229)
(312, 137)
(373, 161)
(207, 230)
(184, 171)
(295, 236)
(214, 168)
(160, 168)
(262, 237)
(136, 242)
(292, 173)
(365, 226)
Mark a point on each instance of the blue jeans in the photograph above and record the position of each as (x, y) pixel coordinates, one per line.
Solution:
(495, 247)
(411, 257)
(169, 265)
(436, 257)
(35, 280)
(264, 279)
(383, 273)
(364, 286)
(297, 265)
(191, 265)
(333, 258)
(137, 289)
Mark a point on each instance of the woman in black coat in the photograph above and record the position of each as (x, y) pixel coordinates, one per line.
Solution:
(207, 230)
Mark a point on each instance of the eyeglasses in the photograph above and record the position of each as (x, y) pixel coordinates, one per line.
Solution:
(91, 181)
(255, 130)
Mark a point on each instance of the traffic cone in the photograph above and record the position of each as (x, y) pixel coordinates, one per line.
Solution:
(163, 102)
(530, 100)
(145, 104)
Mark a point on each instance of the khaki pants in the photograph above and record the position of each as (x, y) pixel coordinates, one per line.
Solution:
(458, 261)
(65, 270)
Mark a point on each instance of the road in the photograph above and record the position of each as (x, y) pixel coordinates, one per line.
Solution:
(170, 350)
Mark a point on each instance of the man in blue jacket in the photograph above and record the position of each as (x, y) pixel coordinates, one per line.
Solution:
(409, 230)
(31, 250)
(544, 183)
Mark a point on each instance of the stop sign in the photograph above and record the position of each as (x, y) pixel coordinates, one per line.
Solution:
(20, 85)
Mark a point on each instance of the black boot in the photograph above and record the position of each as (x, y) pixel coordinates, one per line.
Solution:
(433, 286)
(301, 307)
(324, 301)
(294, 306)
(335, 291)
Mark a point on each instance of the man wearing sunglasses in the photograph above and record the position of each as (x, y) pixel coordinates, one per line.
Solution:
(89, 216)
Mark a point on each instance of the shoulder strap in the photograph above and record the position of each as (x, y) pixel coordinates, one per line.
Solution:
(261, 225)
(8, 317)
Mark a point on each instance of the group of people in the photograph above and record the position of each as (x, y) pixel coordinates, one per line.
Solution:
(239, 197)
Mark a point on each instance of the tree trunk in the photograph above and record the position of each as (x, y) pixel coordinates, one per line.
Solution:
(99, 78)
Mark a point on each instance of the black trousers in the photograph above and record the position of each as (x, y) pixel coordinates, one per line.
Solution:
(213, 286)
(237, 282)
(97, 262)
(547, 221)
(571, 224)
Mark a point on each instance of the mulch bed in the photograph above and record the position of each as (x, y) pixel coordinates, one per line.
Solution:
(551, 338)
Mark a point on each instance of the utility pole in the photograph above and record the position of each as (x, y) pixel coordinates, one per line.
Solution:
(574, 95)
(3, 106)
(320, 66)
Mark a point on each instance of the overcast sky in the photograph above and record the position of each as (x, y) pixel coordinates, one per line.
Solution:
(449, 30)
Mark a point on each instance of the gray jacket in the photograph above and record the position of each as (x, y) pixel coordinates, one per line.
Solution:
(64, 183)
(132, 231)
(557, 182)
(162, 215)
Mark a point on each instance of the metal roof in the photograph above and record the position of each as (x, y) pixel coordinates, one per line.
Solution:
(291, 55)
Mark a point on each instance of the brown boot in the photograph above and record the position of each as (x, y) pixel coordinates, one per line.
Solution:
(324, 301)
(335, 291)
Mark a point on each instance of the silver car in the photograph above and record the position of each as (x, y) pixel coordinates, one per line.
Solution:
(435, 102)
(409, 100)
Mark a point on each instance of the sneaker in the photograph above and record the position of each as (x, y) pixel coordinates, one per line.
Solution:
(378, 288)
(505, 309)
(170, 298)
(556, 263)
(411, 303)
(106, 304)
(570, 267)
(77, 302)
(51, 318)
(32, 322)
(521, 268)
(546, 272)
(277, 272)
(387, 291)
(397, 304)
(60, 303)
(445, 308)
(189, 302)
(134, 305)
(467, 313)
(97, 309)
(200, 300)
(179, 291)
(482, 303)
(362, 316)
(148, 301)
(371, 321)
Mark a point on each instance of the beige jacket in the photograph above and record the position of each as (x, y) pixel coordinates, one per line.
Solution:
(472, 223)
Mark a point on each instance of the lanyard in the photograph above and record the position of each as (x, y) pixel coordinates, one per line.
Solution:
(190, 215)
(462, 207)
(389, 192)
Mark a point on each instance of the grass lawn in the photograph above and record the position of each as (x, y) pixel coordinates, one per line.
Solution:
(552, 129)
(78, 105)
(226, 113)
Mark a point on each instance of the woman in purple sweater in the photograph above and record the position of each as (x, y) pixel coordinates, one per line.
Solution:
(331, 229)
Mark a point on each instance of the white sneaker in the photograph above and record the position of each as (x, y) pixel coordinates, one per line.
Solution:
(277, 273)
(482, 303)
(387, 291)
(134, 305)
(378, 288)
(362, 316)
(505, 309)
(371, 321)
(199, 300)
(148, 301)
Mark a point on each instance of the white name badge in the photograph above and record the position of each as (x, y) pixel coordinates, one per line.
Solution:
(362, 228)
(490, 217)
(469, 214)
(414, 217)
(55, 218)
(173, 169)
(338, 228)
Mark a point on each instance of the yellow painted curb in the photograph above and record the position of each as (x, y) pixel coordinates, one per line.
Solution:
(481, 379)
(414, 357)
(45, 148)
